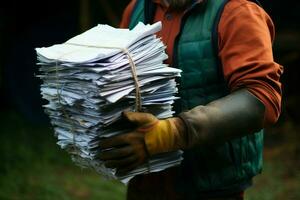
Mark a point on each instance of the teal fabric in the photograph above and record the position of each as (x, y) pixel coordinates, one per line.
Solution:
(138, 14)
(200, 82)
(236, 162)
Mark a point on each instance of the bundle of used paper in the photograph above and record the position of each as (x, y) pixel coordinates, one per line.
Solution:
(93, 77)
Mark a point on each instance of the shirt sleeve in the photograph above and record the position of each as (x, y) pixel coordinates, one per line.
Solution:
(246, 33)
(126, 14)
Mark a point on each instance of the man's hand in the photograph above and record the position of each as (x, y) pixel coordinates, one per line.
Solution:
(152, 136)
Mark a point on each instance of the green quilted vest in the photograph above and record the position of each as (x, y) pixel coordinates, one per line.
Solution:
(226, 167)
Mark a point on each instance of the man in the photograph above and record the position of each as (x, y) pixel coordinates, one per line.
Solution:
(229, 91)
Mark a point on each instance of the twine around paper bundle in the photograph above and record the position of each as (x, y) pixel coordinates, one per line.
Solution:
(74, 148)
(138, 99)
(138, 102)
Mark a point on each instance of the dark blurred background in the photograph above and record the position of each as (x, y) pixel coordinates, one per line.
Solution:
(32, 165)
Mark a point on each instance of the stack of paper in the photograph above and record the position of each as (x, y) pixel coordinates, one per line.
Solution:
(89, 83)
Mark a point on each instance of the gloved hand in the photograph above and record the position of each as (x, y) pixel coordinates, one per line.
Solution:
(152, 136)
(232, 116)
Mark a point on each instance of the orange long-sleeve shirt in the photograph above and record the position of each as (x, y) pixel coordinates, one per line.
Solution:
(245, 40)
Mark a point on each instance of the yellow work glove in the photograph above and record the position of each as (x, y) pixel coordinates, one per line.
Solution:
(152, 136)
(160, 135)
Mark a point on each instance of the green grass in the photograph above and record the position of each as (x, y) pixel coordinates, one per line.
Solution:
(280, 179)
(273, 184)
(33, 167)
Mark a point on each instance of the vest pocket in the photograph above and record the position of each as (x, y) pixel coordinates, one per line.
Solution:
(247, 153)
(222, 166)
